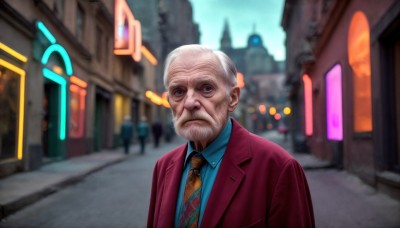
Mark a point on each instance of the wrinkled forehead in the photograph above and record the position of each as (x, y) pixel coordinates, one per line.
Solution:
(204, 62)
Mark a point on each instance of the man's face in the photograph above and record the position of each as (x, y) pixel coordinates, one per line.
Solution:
(198, 97)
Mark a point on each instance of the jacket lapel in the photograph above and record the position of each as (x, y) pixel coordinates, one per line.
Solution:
(229, 177)
(171, 187)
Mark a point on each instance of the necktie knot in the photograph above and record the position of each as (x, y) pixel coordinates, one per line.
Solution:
(196, 162)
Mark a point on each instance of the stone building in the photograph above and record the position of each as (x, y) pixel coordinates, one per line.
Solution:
(342, 74)
(71, 70)
(263, 77)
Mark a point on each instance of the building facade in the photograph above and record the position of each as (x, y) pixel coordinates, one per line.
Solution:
(69, 72)
(263, 79)
(342, 69)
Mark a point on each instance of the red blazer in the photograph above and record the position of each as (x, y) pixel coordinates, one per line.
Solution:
(259, 184)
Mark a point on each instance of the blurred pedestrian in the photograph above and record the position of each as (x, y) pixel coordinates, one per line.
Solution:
(157, 131)
(224, 176)
(126, 133)
(169, 131)
(142, 131)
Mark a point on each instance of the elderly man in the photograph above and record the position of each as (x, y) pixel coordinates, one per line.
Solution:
(224, 176)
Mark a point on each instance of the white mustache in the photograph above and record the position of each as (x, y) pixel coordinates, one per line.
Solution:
(186, 116)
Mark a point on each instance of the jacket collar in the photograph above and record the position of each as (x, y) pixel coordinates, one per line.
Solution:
(229, 177)
(173, 175)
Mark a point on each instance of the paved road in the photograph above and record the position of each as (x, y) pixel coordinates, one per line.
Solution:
(118, 196)
(342, 200)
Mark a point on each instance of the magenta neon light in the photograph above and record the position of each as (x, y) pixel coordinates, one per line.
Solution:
(334, 116)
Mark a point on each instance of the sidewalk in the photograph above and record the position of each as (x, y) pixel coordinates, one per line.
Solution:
(22, 189)
(307, 161)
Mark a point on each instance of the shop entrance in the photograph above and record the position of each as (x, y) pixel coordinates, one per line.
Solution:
(101, 120)
(50, 122)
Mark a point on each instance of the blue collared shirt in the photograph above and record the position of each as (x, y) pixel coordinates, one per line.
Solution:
(213, 154)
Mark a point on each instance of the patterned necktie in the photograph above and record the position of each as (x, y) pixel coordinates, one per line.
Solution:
(189, 216)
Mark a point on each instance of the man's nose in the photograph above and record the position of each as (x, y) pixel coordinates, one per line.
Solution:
(191, 101)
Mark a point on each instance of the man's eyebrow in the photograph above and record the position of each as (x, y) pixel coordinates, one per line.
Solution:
(173, 85)
(205, 79)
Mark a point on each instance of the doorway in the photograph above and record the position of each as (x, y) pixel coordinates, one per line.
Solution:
(50, 122)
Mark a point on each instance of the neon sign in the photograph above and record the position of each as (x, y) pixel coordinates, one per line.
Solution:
(127, 32)
(21, 112)
(240, 80)
(53, 76)
(308, 104)
(149, 56)
(334, 118)
(156, 99)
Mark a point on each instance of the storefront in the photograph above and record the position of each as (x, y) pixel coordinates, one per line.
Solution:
(56, 69)
(12, 103)
(102, 119)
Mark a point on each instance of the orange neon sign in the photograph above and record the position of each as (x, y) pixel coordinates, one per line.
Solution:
(156, 99)
(240, 79)
(78, 81)
(149, 56)
(127, 32)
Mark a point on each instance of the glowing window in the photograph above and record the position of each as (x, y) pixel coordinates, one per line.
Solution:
(12, 103)
(359, 60)
(77, 107)
(308, 105)
(122, 108)
(334, 118)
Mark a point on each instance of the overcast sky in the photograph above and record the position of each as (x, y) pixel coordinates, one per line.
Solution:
(242, 15)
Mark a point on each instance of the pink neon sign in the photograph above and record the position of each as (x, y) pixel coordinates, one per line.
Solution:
(127, 32)
(334, 117)
(308, 105)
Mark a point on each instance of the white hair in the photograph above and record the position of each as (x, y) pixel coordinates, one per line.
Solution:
(227, 65)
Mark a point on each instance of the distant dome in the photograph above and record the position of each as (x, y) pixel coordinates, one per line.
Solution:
(254, 41)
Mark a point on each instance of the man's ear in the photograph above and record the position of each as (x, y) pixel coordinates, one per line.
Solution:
(234, 98)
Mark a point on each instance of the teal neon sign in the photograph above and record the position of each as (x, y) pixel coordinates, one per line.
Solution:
(49, 74)
(63, 53)
(46, 32)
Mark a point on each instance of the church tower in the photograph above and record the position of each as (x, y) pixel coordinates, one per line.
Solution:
(226, 42)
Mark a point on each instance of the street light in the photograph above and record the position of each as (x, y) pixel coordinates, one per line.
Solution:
(287, 111)
(272, 111)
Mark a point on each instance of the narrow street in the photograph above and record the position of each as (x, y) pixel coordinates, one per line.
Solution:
(118, 196)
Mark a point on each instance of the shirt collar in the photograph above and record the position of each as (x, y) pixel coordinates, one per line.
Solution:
(213, 153)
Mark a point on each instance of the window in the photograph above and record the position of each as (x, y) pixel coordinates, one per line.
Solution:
(98, 44)
(106, 52)
(58, 8)
(9, 103)
(77, 107)
(80, 23)
(359, 60)
(334, 117)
